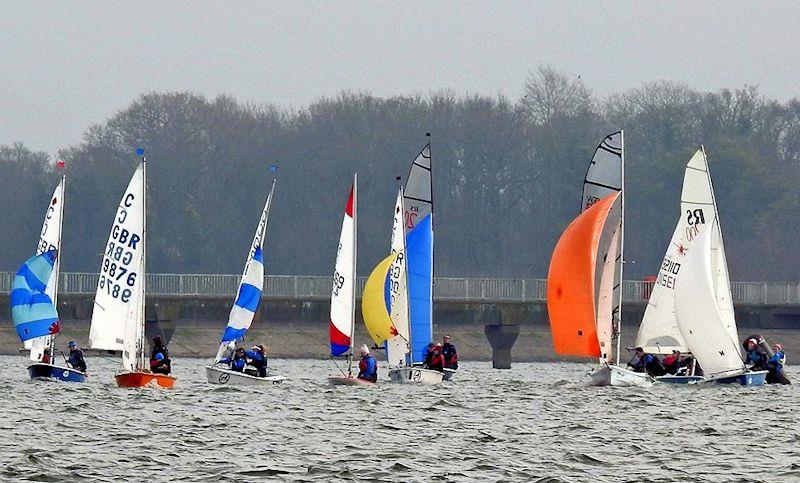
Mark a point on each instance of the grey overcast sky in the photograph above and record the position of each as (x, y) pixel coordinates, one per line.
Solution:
(68, 65)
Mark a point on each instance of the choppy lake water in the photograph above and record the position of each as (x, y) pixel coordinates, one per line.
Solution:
(535, 422)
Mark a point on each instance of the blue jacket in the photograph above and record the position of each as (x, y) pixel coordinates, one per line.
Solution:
(235, 364)
(76, 360)
(367, 367)
(777, 361)
(755, 357)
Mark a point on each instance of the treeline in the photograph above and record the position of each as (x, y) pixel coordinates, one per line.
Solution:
(507, 177)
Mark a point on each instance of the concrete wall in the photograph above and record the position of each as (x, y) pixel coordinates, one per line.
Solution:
(299, 328)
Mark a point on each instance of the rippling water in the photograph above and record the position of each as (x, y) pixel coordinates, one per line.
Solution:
(532, 423)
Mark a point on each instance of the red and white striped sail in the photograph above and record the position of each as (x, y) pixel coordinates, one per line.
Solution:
(344, 279)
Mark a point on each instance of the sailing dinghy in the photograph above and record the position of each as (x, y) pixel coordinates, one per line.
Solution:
(50, 239)
(341, 326)
(584, 289)
(690, 308)
(243, 311)
(119, 304)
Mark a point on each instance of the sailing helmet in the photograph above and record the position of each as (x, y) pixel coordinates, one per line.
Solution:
(72, 344)
(159, 357)
(437, 347)
(752, 341)
(364, 349)
(778, 347)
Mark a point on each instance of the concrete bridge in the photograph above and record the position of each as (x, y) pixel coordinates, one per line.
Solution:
(197, 306)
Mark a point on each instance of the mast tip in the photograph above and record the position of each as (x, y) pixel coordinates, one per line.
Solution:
(139, 151)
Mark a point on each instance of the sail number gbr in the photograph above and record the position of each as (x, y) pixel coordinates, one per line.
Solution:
(116, 278)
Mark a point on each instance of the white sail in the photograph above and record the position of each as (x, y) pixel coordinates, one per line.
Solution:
(343, 294)
(698, 314)
(605, 176)
(251, 285)
(659, 332)
(50, 239)
(398, 348)
(119, 299)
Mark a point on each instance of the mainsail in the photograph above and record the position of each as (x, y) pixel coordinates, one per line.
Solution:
(50, 239)
(418, 201)
(605, 176)
(659, 333)
(699, 316)
(572, 283)
(118, 315)
(251, 285)
(398, 348)
(343, 293)
(32, 309)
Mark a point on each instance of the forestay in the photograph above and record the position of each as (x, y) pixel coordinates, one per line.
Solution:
(417, 199)
(251, 285)
(699, 318)
(398, 348)
(32, 309)
(50, 239)
(119, 299)
(659, 333)
(343, 292)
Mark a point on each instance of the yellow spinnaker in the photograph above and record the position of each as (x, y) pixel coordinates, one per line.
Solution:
(373, 303)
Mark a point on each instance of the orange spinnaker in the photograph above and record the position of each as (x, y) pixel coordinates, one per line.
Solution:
(570, 283)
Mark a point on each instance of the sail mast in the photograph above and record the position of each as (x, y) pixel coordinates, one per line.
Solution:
(355, 277)
(621, 242)
(143, 290)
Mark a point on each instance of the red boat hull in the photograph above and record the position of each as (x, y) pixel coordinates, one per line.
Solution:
(144, 379)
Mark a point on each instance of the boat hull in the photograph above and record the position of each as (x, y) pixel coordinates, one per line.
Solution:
(220, 375)
(144, 379)
(609, 375)
(755, 378)
(679, 379)
(348, 381)
(448, 374)
(415, 375)
(51, 372)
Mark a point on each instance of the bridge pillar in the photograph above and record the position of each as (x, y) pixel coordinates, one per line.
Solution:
(501, 338)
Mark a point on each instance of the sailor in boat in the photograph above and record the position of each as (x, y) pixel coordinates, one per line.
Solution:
(160, 364)
(427, 354)
(437, 359)
(756, 356)
(46, 356)
(367, 367)
(648, 363)
(76, 360)
(673, 362)
(776, 374)
(237, 362)
(257, 357)
(450, 354)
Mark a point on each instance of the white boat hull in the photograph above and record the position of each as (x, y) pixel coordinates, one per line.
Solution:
(348, 381)
(220, 375)
(617, 376)
(415, 375)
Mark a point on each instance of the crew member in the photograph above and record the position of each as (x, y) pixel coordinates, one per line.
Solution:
(437, 359)
(160, 364)
(672, 362)
(257, 357)
(756, 357)
(427, 354)
(648, 363)
(450, 354)
(367, 367)
(776, 374)
(46, 356)
(237, 361)
(76, 360)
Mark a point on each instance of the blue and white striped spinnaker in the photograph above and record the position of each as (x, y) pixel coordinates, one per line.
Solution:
(249, 294)
(32, 309)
